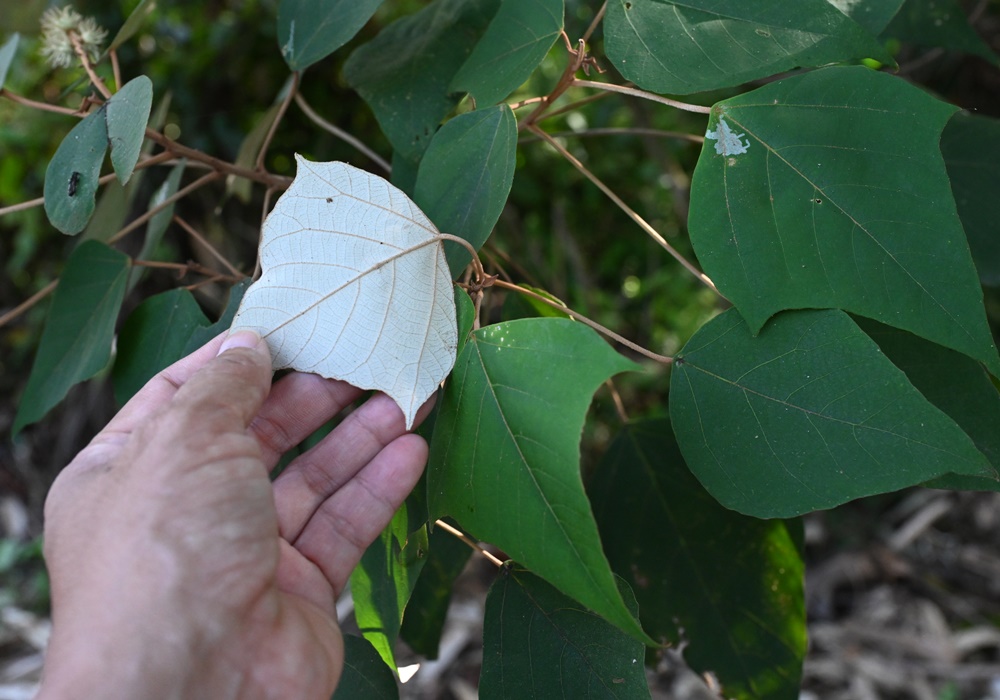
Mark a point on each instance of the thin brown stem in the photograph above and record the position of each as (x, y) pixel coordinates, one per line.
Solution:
(596, 21)
(216, 164)
(81, 53)
(340, 133)
(116, 69)
(208, 246)
(628, 131)
(635, 92)
(525, 103)
(43, 106)
(576, 104)
(179, 194)
(616, 398)
(583, 319)
(480, 272)
(28, 303)
(292, 91)
(469, 541)
(632, 214)
(577, 58)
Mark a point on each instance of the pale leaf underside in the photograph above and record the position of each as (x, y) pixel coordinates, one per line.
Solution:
(354, 286)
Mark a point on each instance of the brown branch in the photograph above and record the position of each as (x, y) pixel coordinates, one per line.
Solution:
(632, 214)
(578, 57)
(116, 69)
(627, 131)
(208, 246)
(525, 103)
(340, 133)
(27, 304)
(179, 194)
(617, 399)
(292, 91)
(583, 319)
(469, 541)
(81, 53)
(217, 164)
(43, 106)
(596, 21)
(634, 92)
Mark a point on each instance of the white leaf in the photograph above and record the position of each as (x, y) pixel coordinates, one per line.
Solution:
(354, 286)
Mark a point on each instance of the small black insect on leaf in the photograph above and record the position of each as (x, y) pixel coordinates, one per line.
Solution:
(74, 180)
(329, 200)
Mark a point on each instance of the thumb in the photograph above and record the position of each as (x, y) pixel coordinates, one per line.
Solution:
(227, 392)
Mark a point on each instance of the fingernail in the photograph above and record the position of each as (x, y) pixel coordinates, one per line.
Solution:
(239, 339)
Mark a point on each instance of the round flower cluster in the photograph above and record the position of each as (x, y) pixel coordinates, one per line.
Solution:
(59, 26)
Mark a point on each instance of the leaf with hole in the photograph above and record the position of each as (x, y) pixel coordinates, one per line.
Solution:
(841, 200)
(807, 415)
(354, 286)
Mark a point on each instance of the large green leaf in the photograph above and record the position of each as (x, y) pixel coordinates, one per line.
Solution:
(154, 337)
(7, 52)
(465, 176)
(79, 330)
(404, 72)
(505, 457)
(310, 30)
(668, 538)
(873, 15)
(425, 613)
(365, 677)
(964, 391)
(841, 199)
(72, 174)
(685, 46)
(382, 582)
(127, 113)
(515, 43)
(971, 148)
(537, 643)
(938, 23)
(205, 334)
(807, 415)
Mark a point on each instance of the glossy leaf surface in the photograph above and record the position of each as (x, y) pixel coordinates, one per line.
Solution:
(506, 441)
(727, 585)
(807, 415)
(537, 643)
(841, 200)
(72, 174)
(154, 337)
(310, 30)
(465, 176)
(354, 286)
(126, 114)
(515, 43)
(79, 330)
(685, 46)
(404, 73)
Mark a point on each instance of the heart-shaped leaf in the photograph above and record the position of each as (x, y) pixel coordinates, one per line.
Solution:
(355, 286)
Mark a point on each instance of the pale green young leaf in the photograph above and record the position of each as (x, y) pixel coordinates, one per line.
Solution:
(514, 44)
(79, 331)
(807, 415)
(841, 199)
(507, 436)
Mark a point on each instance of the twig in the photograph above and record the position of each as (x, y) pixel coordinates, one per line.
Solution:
(179, 194)
(43, 106)
(469, 541)
(643, 224)
(634, 92)
(208, 246)
(572, 106)
(617, 399)
(81, 53)
(217, 164)
(525, 103)
(292, 91)
(583, 319)
(340, 133)
(596, 21)
(116, 69)
(27, 304)
(184, 268)
(628, 131)
(578, 57)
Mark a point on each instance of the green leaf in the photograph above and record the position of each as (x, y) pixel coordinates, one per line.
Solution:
(537, 643)
(382, 582)
(203, 335)
(505, 457)
(669, 538)
(246, 157)
(159, 222)
(72, 175)
(133, 23)
(685, 46)
(466, 313)
(311, 30)
(365, 677)
(807, 415)
(516, 41)
(404, 72)
(964, 391)
(154, 337)
(938, 24)
(840, 200)
(7, 52)
(873, 15)
(465, 176)
(428, 605)
(79, 330)
(127, 113)
(971, 148)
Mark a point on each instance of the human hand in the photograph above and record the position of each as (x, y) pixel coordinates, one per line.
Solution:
(178, 570)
